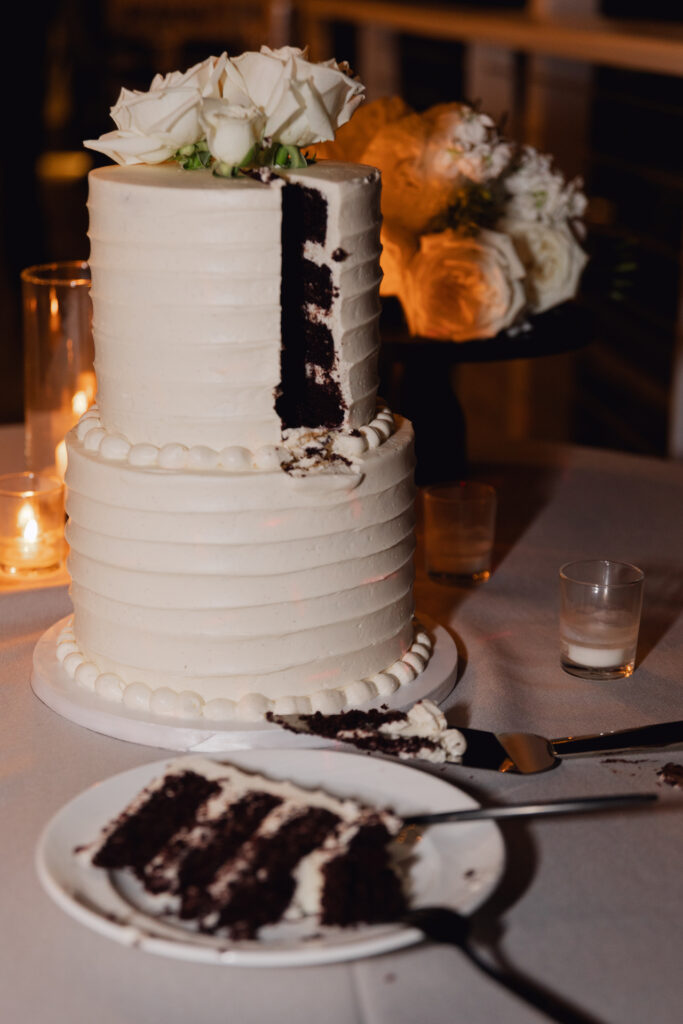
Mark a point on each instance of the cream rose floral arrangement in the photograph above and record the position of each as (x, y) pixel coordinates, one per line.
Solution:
(478, 232)
(228, 113)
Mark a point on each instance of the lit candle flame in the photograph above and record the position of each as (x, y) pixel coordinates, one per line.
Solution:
(28, 524)
(60, 459)
(79, 403)
(84, 397)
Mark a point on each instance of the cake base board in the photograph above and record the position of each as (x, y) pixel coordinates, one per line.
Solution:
(52, 684)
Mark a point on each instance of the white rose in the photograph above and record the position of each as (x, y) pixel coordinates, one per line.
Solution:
(151, 126)
(303, 102)
(231, 130)
(205, 76)
(552, 258)
(459, 287)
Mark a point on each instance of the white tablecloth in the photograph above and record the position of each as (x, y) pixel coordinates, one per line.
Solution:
(591, 906)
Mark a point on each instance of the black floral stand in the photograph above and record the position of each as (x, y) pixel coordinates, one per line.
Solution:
(415, 377)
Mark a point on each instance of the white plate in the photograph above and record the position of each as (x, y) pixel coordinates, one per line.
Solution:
(456, 865)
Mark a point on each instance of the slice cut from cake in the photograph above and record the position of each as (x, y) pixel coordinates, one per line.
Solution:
(422, 732)
(228, 852)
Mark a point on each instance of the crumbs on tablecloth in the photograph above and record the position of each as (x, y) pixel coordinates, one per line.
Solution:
(671, 774)
(625, 760)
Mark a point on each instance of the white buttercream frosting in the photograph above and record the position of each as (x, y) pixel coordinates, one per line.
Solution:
(166, 702)
(303, 448)
(222, 567)
(426, 721)
(186, 278)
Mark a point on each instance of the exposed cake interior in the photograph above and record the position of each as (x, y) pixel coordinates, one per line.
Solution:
(230, 852)
(421, 732)
(309, 394)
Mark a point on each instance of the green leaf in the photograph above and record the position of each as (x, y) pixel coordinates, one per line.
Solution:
(193, 157)
(223, 170)
(289, 156)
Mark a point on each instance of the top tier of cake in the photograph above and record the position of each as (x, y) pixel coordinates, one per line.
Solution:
(228, 310)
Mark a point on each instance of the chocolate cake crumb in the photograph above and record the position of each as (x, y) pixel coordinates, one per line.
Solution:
(625, 760)
(671, 774)
(339, 255)
(262, 174)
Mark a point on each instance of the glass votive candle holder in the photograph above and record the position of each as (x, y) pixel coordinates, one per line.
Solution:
(600, 605)
(31, 524)
(460, 521)
(59, 378)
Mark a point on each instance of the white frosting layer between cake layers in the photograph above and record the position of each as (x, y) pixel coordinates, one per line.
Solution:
(186, 276)
(242, 592)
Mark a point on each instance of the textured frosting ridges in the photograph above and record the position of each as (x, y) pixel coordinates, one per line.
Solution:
(186, 278)
(243, 588)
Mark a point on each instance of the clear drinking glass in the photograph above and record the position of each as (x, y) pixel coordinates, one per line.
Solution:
(459, 530)
(600, 605)
(59, 380)
(31, 524)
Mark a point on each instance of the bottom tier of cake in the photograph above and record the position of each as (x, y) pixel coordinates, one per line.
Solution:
(230, 586)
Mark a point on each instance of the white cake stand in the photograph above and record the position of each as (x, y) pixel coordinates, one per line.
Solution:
(55, 687)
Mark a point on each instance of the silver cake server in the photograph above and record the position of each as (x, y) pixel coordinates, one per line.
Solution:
(525, 752)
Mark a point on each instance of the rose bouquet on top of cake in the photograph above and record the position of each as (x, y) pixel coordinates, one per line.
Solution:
(255, 110)
(478, 232)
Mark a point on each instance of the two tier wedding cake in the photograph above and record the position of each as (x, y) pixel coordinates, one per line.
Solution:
(240, 507)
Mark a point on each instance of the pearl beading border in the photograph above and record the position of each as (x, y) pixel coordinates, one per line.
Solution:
(252, 707)
(234, 459)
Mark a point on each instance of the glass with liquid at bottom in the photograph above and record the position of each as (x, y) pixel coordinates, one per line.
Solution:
(600, 605)
(459, 531)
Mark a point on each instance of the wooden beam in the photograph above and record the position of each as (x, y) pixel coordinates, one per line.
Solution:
(638, 45)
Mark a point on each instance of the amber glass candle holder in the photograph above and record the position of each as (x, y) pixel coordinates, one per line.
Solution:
(31, 525)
